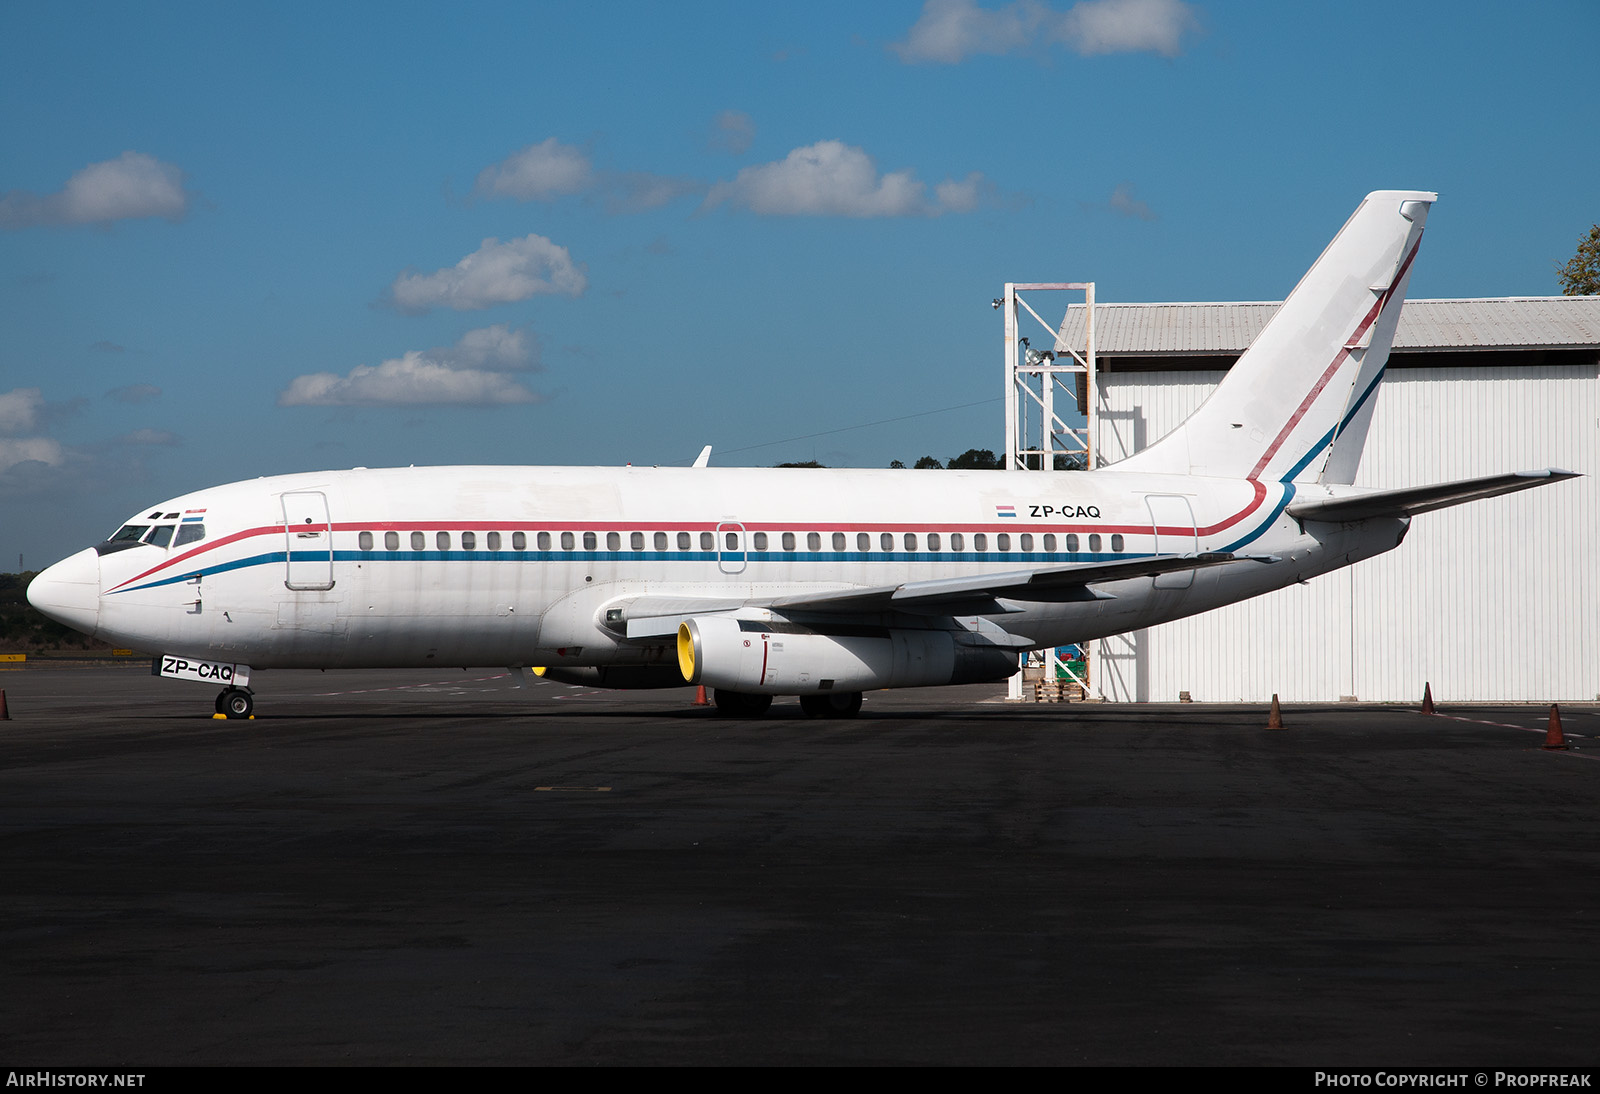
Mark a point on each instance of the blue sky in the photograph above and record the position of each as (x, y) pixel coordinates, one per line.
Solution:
(243, 240)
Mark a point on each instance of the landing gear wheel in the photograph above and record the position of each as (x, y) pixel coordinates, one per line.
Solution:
(842, 704)
(235, 703)
(739, 704)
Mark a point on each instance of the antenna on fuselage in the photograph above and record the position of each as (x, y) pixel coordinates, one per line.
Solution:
(704, 459)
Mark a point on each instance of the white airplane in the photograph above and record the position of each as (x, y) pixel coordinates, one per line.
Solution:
(759, 582)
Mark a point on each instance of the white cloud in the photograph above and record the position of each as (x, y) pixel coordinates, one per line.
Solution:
(470, 373)
(636, 191)
(1123, 201)
(19, 409)
(132, 186)
(733, 131)
(550, 169)
(539, 172)
(831, 178)
(19, 450)
(496, 273)
(134, 393)
(159, 437)
(1129, 26)
(948, 31)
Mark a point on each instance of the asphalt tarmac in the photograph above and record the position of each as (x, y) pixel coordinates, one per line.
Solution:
(420, 868)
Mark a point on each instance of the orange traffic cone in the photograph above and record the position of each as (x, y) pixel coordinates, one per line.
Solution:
(1275, 719)
(1554, 739)
(700, 696)
(1427, 698)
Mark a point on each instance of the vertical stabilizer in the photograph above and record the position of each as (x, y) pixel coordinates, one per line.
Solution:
(1296, 406)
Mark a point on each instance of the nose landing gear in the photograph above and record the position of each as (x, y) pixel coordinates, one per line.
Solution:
(235, 703)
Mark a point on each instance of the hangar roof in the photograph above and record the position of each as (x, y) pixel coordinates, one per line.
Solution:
(1426, 326)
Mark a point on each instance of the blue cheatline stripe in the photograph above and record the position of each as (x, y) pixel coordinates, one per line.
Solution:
(1328, 438)
(1272, 517)
(190, 575)
(1011, 559)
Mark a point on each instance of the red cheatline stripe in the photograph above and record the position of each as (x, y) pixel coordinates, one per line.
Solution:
(1259, 492)
(1338, 360)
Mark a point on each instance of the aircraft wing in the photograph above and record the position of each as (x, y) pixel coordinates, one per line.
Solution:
(1412, 500)
(980, 594)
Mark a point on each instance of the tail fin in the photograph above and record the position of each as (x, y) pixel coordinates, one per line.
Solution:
(1296, 406)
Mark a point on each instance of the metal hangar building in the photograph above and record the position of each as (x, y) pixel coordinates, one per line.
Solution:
(1498, 600)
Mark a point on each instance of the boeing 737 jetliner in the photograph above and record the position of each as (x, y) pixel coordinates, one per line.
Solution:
(759, 582)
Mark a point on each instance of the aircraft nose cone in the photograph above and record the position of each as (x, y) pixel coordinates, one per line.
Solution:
(69, 591)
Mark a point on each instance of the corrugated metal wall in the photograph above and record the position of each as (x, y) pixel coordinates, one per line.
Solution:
(1495, 600)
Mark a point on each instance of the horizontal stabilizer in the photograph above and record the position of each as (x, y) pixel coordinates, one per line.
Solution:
(1421, 499)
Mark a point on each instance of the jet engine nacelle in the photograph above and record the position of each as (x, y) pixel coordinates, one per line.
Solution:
(776, 658)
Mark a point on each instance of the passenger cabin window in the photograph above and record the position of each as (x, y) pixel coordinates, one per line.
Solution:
(469, 541)
(442, 540)
(708, 542)
(863, 542)
(813, 541)
(391, 541)
(364, 540)
(613, 541)
(1072, 541)
(958, 542)
(661, 541)
(635, 541)
(590, 541)
(1094, 542)
(838, 541)
(493, 539)
(419, 542)
(788, 541)
(911, 541)
(761, 541)
(732, 540)
(1116, 543)
(980, 542)
(193, 533)
(933, 541)
(685, 541)
(886, 541)
(1049, 541)
(1002, 542)
(568, 541)
(1025, 541)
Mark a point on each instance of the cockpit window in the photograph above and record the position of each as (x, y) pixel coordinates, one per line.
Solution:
(160, 535)
(189, 533)
(131, 533)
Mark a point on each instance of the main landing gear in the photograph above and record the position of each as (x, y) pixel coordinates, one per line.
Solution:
(235, 703)
(739, 704)
(842, 704)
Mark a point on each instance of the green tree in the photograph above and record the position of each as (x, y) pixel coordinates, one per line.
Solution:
(1581, 276)
(926, 462)
(975, 459)
(804, 463)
